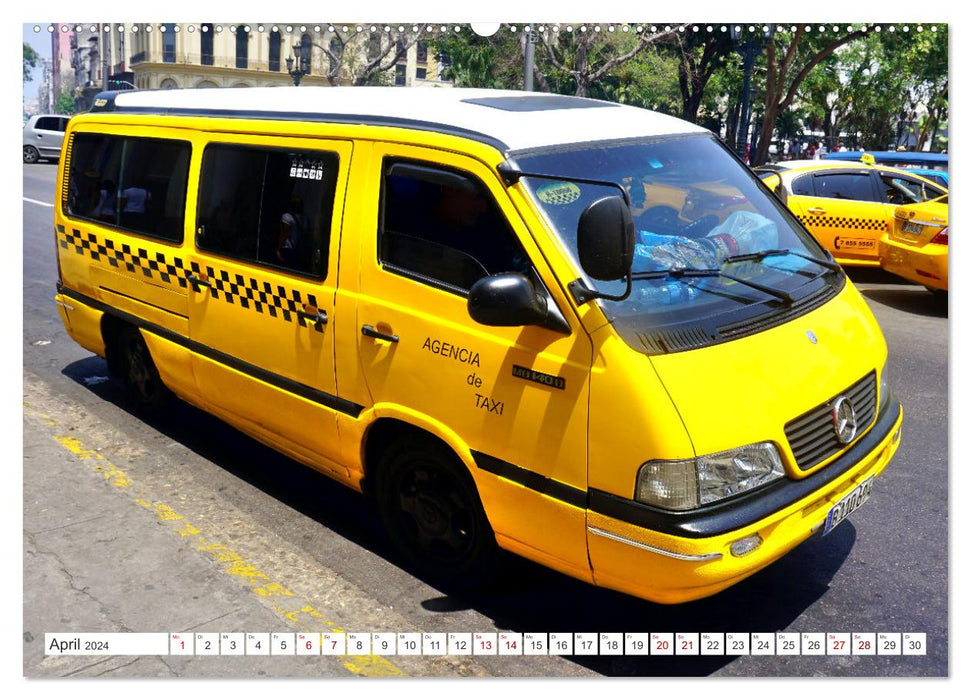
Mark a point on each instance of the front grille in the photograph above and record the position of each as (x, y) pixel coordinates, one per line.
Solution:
(812, 437)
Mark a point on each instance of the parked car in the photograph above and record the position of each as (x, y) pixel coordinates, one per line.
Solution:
(43, 134)
(915, 248)
(895, 159)
(847, 206)
(933, 166)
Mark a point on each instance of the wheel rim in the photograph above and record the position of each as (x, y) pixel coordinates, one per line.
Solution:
(139, 375)
(435, 514)
(30, 154)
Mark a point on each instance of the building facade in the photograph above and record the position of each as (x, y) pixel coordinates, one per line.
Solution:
(89, 58)
(160, 56)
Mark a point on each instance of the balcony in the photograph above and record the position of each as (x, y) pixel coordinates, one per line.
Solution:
(197, 59)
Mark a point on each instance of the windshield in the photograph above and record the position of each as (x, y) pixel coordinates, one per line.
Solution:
(695, 207)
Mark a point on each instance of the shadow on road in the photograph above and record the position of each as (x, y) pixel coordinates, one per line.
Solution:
(915, 300)
(524, 597)
(899, 293)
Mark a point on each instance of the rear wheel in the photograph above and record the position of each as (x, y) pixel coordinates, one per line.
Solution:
(431, 511)
(31, 154)
(130, 360)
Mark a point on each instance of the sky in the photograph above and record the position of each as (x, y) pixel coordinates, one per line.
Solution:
(41, 43)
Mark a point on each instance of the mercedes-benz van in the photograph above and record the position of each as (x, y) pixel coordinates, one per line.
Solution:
(579, 331)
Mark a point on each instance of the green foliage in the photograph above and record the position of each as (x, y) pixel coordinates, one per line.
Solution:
(66, 104)
(482, 62)
(31, 59)
(876, 86)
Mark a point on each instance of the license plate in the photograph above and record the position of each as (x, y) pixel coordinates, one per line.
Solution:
(911, 227)
(850, 502)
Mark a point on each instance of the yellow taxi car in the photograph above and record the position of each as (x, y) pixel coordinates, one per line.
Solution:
(847, 206)
(915, 248)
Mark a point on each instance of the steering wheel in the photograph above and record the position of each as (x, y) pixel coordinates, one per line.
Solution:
(699, 227)
(659, 219)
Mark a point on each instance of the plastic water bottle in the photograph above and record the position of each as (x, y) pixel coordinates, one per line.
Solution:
(744, 232)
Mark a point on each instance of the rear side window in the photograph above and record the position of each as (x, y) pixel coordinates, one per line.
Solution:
(856, 186)
(269, 206)
(50, 124)
(904, 190)
(130, 183)
(803, 185)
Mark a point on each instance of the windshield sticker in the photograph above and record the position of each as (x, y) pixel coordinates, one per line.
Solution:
(558, 193)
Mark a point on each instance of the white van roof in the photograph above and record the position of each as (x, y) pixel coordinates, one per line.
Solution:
(510, 120)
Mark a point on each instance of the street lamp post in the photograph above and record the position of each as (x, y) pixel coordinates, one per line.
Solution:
(302, 53)
(748, 50)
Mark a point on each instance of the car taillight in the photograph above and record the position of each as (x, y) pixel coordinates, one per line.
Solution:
(941, 238)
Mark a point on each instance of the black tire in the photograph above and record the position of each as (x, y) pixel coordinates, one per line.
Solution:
(432, 513)
(132, 363)
(31, 154)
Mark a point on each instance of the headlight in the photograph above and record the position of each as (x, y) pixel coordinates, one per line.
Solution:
(692, 483)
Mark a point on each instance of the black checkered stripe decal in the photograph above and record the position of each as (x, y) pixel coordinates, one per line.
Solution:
(248, 293)
(259, 296)
(844, 222)
(134, 260)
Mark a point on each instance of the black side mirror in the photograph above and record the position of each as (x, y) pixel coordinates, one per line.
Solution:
(506, 300)
(605, 239)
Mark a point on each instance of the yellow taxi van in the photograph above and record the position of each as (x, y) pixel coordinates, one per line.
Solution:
(578, 331)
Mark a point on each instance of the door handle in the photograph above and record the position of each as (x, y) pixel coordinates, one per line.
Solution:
(313, 314)
(372, 332)
(818, 211)
(199, 280)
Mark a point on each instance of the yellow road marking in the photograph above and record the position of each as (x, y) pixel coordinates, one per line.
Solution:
(232, 563)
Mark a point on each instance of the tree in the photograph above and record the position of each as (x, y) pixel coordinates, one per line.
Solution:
(31, 58)
(586, 55)
(66, 104)
(700, 56)
(363, 57)
(484, 62)
(789, 58)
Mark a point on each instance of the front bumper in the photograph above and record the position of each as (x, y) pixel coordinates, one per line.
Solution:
(673, 558)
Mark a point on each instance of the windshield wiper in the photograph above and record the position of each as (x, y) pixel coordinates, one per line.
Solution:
(679, 273)
(775, 252)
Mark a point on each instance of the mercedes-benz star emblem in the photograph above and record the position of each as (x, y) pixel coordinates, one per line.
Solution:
(812, 337)
(844, 420)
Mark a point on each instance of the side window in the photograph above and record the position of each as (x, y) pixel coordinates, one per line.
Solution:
(904, 190)
(803, 185)
(130, 183)
(856, 186)
(47, 123)
(270, 206)
(442, 227)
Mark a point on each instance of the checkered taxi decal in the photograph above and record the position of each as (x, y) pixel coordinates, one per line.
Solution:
(845, 222)
(249, 293)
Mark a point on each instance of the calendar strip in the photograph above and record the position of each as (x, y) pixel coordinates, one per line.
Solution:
(487, 644)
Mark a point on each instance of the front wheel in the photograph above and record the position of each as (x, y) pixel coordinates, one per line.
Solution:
(431, 511)
(31, 154)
